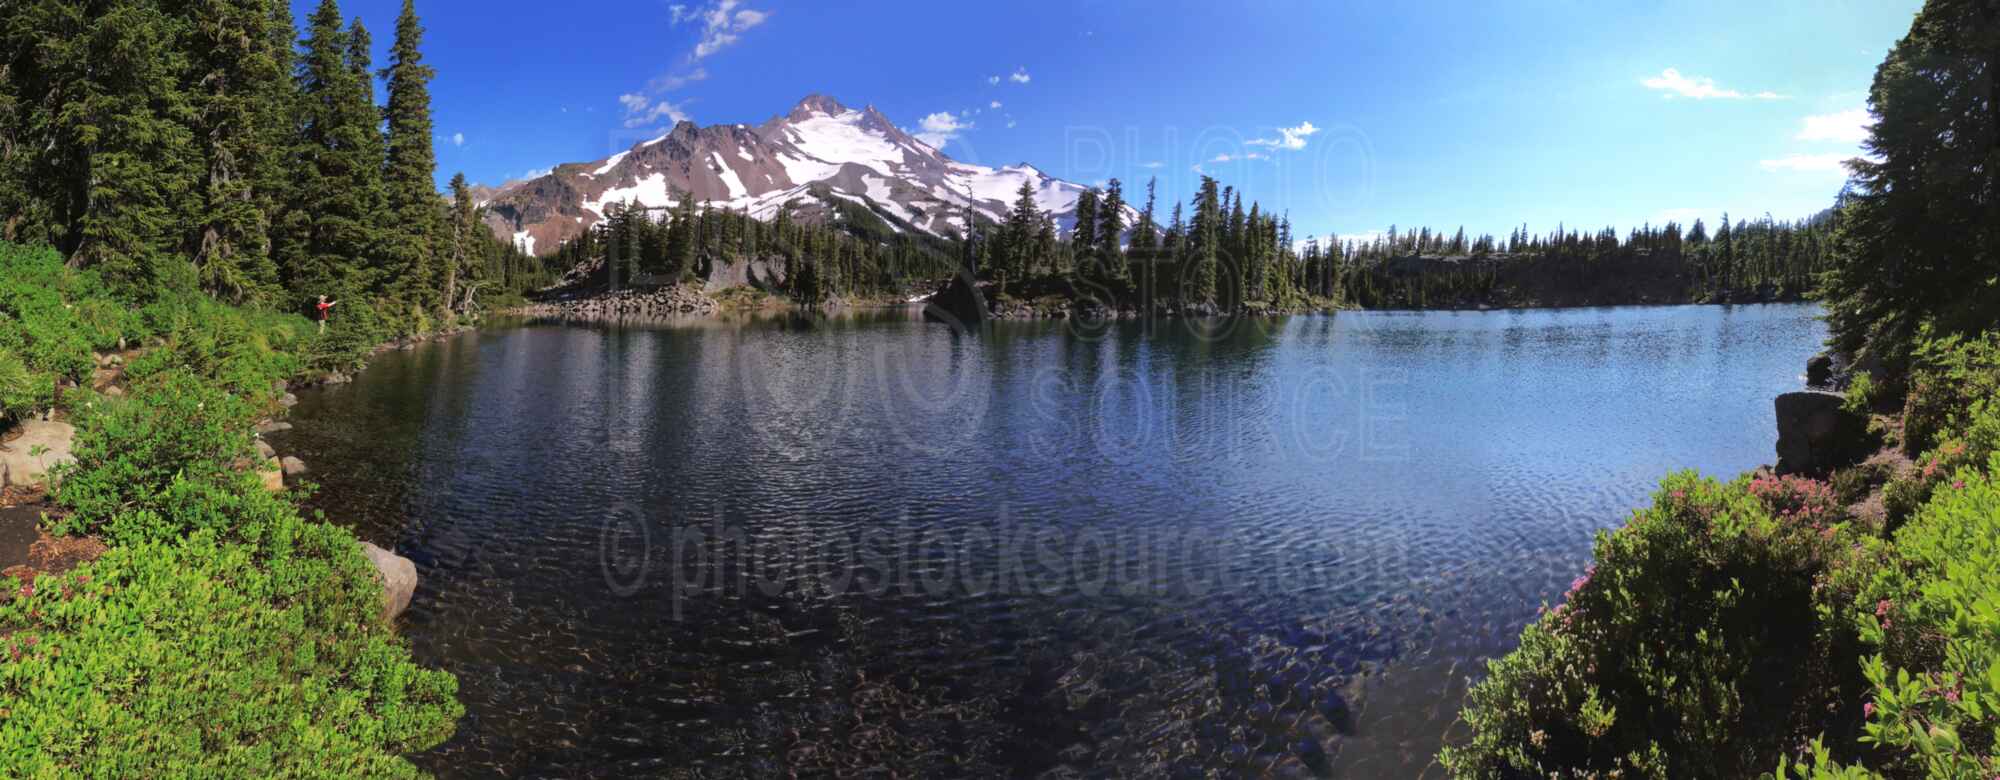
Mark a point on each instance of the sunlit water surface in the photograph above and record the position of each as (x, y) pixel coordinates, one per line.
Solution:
(873, 543)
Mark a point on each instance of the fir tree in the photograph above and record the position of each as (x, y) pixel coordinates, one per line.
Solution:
(412, 251)
(240, 67)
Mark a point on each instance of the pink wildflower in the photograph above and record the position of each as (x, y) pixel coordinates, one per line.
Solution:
(1868, 710)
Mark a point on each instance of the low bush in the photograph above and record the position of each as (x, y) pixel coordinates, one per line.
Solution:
(1701, 644)
(1949, 375)
(199, 658)
(176, 433)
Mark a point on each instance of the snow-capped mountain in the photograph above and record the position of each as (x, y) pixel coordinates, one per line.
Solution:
(819, 152)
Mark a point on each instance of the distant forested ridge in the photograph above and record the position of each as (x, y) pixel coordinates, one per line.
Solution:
(175, 145)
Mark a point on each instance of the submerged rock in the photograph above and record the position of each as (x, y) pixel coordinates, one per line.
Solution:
(42, 446)
(399, 579)
(1817, 435)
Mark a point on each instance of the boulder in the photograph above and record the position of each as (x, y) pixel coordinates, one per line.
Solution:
(264, 450)
(960, 303)
(42, 445)
(1819, 370)
(399, 579)
(273, 475)
(288, 400)
(1816, 435)
(292, 466)
(273, 426)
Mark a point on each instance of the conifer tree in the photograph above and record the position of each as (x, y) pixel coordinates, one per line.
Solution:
(1111, 231)
(240, 67)
(337, 211)
(412, 251)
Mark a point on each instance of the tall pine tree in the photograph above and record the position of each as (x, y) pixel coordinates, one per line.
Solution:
(412, 250)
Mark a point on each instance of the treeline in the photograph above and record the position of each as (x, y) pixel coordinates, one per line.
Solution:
(1218, 258)
(1741, 261)
(1222, 258)
(852, 254)
(176, 145)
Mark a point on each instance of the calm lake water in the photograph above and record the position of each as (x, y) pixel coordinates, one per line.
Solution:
(873, 543)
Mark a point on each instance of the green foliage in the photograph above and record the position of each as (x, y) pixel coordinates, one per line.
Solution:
(1699, 645)
(1920, 226)
(1860, 395)
(139, 454)
(1948, 374)
(203, 658)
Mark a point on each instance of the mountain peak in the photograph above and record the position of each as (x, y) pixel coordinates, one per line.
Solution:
(817, 103)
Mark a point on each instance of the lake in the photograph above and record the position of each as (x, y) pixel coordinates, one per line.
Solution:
(862, 543)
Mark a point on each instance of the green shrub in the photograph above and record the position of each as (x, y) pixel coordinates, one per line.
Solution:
(138, 455)
(1932, 612)
(1860, 397)
(1698, 645)
(22, 392)
(205, 659)
(349, 338)
(1948, 376)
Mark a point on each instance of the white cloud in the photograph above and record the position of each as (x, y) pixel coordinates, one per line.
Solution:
(1011, 123)
(992, 79)
(457, 139)
(1020, 75)
(1369, 237)
(1226, 157)
(1847, 126)
(723, 24)
(994, 104)
(672, 81)
(1290, 138)
(1156, 164)
(1674, 84)
(1814, 163)
(641, 110)
(680, 13)
(940, 128)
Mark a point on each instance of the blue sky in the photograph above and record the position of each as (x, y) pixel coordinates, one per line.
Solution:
(1487, 115)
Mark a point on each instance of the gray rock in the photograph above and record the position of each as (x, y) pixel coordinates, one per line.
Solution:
(335, 378)
(264, 450)
(293, 466)
(1815, 435)
(288, 400)
(273, 426)
(398, 576)
(20, 463)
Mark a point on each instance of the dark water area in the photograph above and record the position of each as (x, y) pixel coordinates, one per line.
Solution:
(876, 545)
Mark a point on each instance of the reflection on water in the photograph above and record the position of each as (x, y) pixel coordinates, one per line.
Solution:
(872, 543)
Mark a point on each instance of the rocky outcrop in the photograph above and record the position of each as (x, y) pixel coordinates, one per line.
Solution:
(1817, 435)
(398, 576)
(960, 303)
(627, 304)
(42, 445)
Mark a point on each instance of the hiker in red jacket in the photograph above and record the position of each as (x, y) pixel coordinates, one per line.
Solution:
(323, 306)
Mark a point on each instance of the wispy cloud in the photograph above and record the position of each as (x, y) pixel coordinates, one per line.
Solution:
(1674, 84)
(1020, 75)
(940, 128)
(994, 104)
(641, 110)
(721, 24)
(1226, 157)
(457, 139)
(992, 79)
(1847, 126)
(1808, 163)
(1154, 165)
(1289, 138)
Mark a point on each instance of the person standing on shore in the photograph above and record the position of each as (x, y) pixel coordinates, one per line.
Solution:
(323, 306)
